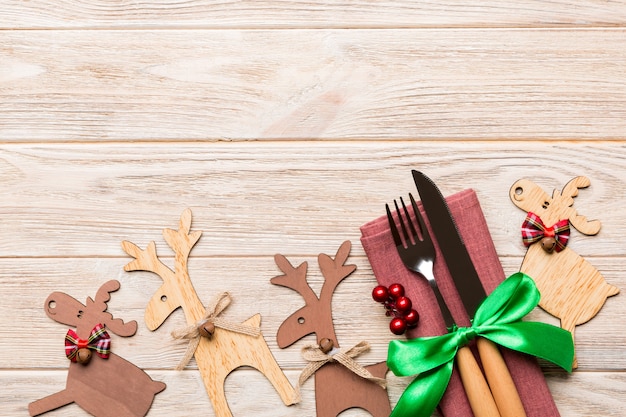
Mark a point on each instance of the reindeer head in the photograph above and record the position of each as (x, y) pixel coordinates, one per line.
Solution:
(529, 197)
(316, 315)
(65, 309)
(175, 282)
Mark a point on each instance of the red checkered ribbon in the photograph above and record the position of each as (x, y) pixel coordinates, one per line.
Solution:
(534, 230)
(99, 341)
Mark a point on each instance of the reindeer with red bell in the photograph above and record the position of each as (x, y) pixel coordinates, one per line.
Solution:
(337, 388)
(103, 384)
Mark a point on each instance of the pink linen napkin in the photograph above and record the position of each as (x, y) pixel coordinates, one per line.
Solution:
(388, 268)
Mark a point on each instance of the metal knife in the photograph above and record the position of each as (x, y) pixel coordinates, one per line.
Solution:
(470, 289)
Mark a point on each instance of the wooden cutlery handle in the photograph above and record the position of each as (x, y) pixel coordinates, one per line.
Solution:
(478, 392)
(502, 386)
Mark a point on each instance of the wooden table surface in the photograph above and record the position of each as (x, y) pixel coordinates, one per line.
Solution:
(285, 126)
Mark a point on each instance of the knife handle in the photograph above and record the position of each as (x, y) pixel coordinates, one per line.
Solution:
(478, 392)
(502, 386)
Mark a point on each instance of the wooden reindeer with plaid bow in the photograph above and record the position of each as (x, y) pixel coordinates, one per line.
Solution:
(571, 288)
(101, 383)
(218, 346)
(340, 382)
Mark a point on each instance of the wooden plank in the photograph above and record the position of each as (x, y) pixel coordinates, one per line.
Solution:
(259, 198)
(325, 84)
(325, 14)
(578, 395)
(356, 316)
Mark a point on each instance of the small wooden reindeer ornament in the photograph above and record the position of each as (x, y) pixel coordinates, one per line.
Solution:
(220, 346)
(571, 288)
(337, 386)
(101, 383)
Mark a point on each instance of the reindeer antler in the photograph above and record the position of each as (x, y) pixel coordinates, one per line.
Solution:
(334, 270)
(316, 315)
(566, 198)
(181, 241)
(145, 260)
(97, 309)
(103, 295)
(294, 278)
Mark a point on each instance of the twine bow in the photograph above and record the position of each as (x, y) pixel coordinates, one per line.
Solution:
(317, 358)
(499, 319)
(212, 312)
(534, 230)
(99, 341)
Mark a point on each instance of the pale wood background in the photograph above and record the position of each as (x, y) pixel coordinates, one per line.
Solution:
(284, 126)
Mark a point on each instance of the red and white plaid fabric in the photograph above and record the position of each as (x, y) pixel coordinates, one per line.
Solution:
(534, 230)
(99, 341)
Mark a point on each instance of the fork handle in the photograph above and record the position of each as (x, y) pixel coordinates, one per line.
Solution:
(502, 386)
(478, 392)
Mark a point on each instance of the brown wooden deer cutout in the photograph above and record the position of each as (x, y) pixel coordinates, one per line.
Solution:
(571, 288)
(336, 388)
(221, 351)
(110, 387)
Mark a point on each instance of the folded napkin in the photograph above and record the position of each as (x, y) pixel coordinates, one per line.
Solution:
(388, 268)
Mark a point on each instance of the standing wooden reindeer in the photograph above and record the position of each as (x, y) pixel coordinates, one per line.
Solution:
(571, 288)
(220, 350)
(336, 387)
(110, 387)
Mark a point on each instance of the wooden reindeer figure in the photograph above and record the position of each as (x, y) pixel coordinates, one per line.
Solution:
(336, 387)
(220, 350)
(111, 387)
(571, 288)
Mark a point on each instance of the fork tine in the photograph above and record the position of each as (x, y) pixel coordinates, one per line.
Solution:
(420, 220)
(392, 226)
(408, 218)
(405, 234)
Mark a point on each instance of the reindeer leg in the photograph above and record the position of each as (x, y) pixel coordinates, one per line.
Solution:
(259, 356)
(50, 403)
(267, 365)
(215, 389)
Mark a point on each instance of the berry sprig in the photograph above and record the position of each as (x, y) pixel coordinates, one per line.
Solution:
(397, 305)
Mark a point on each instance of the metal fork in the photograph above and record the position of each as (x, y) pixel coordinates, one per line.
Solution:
(418, 254)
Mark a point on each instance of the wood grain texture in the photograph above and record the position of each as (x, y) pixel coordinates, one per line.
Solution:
(286, 125)
(267, 198)
(199, 85)
(596, 393)
(357, 317)
(302, 13)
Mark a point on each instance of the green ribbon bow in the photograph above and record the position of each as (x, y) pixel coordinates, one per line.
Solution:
(498, 319)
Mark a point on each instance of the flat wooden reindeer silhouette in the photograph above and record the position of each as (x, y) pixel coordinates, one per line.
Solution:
(221, 350)
(571, 288)
(110, 387)
(336, 387)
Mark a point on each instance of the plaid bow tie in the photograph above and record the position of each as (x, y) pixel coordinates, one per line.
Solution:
(99, 341)
(534, 230)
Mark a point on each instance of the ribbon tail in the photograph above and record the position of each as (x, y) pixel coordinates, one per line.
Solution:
(423, 394)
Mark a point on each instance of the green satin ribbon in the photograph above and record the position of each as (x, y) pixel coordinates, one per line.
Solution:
(499, 319)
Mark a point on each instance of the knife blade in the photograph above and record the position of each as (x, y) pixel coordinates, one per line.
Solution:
(470, 289)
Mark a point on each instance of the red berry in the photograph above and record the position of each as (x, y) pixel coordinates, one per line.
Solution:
(396, 290)
(380, 294)
(397, 326)
(412, 317)
(403, 305)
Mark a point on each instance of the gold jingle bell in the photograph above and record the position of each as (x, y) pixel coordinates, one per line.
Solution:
(548, 244)
(83, 356)
(326, 345)
(206, 329)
